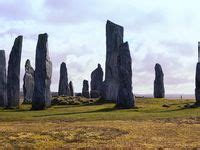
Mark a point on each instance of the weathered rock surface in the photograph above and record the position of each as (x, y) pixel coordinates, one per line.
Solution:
(13, 78)
(63, 82)
(85, 89)
(28, 86)
(71, 88)
(96, 82)
(159, 90)
(197, 84)
(125, 97)
(43, 73)
(114, 37)
(3, 80)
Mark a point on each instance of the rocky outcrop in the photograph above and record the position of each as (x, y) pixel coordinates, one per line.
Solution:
(43, 73)
(28, 85)
(85, 89)
(63, 82)
(114, 38)
(71, 88)
(3, 80)
(13, 78)
(125, 97)
(96, 82)
(159, 90)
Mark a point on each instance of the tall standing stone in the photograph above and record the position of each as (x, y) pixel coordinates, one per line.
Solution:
(159, 90)
(114, 38)
(13, 78)
(43, 73)
(96, 82)
(125, 97)
(63, 82)
(197, 79)
(28, 86)
(85, 89)
(71, 88)
(3, 80)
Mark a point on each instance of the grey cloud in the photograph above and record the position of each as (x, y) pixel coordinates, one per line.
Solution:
(182, 48)
(15, 10)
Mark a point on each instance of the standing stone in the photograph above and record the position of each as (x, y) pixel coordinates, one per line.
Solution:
(13, 78)
(96, 82)
(197, 84)
(3, 83)
(159, 90)
(71, 88)
(28, 86)
(85, 89)
(63, 83)
(114, 37)
(125, 97)
(197, 79)
(43, 73)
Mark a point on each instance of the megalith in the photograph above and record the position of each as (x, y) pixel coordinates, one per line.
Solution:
(159, 90)
(125, 97)
(13, 78)
(71, 88)
(28, 85)
(43, 72)
(3, 80)
(85, 89)
(96, 82)
(197, 79)
(114, 38)
(63, 82)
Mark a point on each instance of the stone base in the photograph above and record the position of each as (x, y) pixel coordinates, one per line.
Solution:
(86, 94)
(95, 94)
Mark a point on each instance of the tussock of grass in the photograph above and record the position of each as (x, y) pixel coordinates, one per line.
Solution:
(103, 126)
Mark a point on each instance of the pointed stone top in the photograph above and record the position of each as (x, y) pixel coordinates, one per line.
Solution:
(109, 23)
(63, 64)
(18, 39)
(198, 51)
(157, 65)
(158, 69)
(123, 45)
(43, 34)
(28, 63)
(99, 65)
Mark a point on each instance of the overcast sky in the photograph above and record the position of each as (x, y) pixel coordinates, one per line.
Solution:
(158, 31)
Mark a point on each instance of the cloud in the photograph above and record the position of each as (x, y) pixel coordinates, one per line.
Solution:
(157, 31)
(15, 10)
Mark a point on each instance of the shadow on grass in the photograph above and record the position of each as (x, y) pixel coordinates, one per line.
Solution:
(104, 110)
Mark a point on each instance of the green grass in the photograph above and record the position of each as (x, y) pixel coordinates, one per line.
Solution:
(102, 126)
(148, 109)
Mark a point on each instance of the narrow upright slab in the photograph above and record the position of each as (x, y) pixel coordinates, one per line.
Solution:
(96, 82)
(71, 88)
(197, 84)
(85, 89)
(125, 97)
(3, 80)
(114, 38)
(28, 86)
(13, 78)
(43, 73)
(197, 79)
(159, 90)
(198, 51)
(63, 82)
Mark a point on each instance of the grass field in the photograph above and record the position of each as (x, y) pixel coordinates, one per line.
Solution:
(150, 126)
